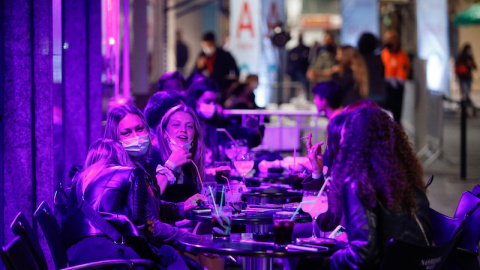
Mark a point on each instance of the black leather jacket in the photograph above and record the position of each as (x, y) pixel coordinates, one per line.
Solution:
(119, 194)
(369, 230)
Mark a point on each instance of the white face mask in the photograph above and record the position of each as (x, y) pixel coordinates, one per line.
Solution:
(208, 51)
(175, 146)
(206, 111)
(136, 146)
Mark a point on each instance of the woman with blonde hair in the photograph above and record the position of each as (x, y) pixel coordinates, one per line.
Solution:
(181, 153)
(351, 74)
(113, 188)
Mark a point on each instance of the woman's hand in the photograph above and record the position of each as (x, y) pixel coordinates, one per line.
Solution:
(315, 155)
(180, 156)
(192, 202)
(252, 121)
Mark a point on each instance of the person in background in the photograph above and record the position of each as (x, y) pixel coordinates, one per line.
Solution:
(113, 187)
(464, 65)
(367, 47)
(171, 81)
(242, 96)
(182, 53)
(202, 98)
(158, 105)
(397, 68)
(327, 98)
(351, 75)
(297, 65)
(320, 70)
(215, 63)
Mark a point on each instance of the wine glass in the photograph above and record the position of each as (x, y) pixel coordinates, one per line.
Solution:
(314, 205)
(244, 163)
(231, 149)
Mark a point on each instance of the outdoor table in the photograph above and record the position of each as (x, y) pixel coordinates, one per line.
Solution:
(256, 219)
(260, 254)
(272, 193)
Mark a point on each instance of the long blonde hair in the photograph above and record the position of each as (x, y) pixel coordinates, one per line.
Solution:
(198, 147)
(353, 59)
(102, 154)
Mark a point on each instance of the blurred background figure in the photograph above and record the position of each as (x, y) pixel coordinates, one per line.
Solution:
(320, 70)
(215, 63)
(464, 65)
(351, 75)
(242, 96)
(397, 67)
(171, 81)
(297, 65)
(327, 98)
(181, 53)
(368, 46)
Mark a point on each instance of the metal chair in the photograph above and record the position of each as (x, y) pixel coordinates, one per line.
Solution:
(22, 229)
(400, 255)
(18, 255)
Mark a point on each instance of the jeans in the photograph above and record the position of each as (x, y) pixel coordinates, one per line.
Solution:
(466, 86)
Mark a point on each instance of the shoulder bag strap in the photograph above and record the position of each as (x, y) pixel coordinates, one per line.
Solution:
(99, 222)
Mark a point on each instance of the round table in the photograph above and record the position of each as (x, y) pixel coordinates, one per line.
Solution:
(244, 245)
(272, 193)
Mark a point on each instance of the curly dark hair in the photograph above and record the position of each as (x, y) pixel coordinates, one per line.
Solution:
(376, 154)
(331, 91)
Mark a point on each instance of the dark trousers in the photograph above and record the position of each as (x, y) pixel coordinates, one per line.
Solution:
(394, 101)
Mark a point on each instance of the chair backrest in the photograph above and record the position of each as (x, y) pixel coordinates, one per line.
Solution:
(18, 255)
(403, 255)
(51, 230)
(466, 204)
(20, 227)
(469, 207)
(444, 228)
(476, 190)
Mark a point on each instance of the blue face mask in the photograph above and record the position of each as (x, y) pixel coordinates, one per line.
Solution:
(136, 146)
(174, 145)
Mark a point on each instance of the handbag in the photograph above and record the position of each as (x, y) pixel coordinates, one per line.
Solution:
(461, 69)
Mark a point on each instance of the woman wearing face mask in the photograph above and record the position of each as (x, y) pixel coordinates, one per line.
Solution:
(182, 152)
(127, 125)
(202, 98)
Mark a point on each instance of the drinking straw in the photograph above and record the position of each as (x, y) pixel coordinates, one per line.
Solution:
(323, 187)
(221, 198)
(198, 172)
(213, 198)
(298, 208)
(228, 134)
(294, 157)
(229, 187)
(303, 138)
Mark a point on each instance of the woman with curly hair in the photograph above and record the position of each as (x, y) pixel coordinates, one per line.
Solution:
(377, 184)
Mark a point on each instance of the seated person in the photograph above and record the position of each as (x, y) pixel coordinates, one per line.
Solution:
(171, 81)
(202, 98)
(115, 189)
(377, 183)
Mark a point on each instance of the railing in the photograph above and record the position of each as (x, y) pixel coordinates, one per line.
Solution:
(281, 123)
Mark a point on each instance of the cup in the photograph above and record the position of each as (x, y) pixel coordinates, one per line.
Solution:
(296, 179)
(222, 171)
(233, 199)
(282, 228)
(207, 185)
(222, 223)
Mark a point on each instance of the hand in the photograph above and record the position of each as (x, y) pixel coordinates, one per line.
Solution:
(180, 156)
(315, 155)
(192, 202)
(201, 62)
(150, 225)
(336, 69)
(312, 74)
